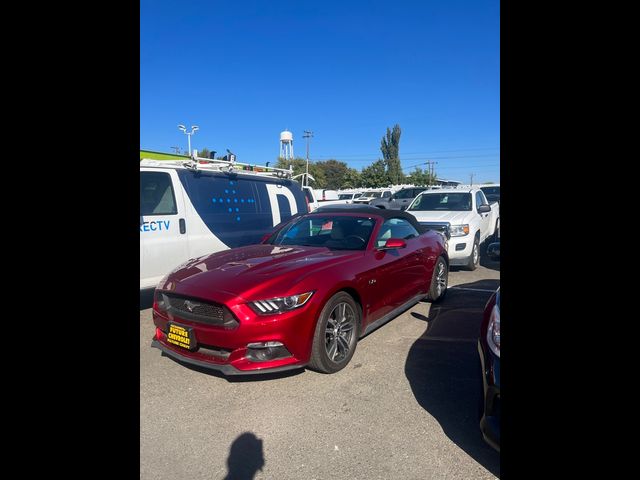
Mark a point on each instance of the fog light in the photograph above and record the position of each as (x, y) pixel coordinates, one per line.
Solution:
(460, 246)
(266, 351)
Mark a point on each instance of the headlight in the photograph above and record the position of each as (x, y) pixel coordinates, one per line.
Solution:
(279, 305)
(493, 331)
(459, 230)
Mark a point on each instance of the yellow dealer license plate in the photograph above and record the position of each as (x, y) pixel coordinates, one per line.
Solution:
(181, 336)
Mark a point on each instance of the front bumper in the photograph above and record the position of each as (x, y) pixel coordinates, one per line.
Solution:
(491, 411)
(460, 257)
(228, 350)
(225, 368)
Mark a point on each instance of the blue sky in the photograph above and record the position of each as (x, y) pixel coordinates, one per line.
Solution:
(243, 71)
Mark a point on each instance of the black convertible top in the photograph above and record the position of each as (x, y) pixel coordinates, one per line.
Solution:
(369, 210)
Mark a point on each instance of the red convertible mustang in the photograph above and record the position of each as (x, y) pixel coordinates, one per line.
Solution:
(304, 296)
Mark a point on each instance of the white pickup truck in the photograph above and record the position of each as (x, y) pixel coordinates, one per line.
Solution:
(320, 198)
(464, 215)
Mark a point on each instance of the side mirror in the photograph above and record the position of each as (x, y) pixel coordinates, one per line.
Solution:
(394, 243)
(493, 250)
(484, 208)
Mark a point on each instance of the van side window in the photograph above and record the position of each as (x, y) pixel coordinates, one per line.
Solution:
(156, 194)
(386, 194)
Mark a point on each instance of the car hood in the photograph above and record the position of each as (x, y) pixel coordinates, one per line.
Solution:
(455, 218)
(248, 271)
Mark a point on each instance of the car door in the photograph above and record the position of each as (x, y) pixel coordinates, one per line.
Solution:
(163, 242)
(485, 218)
(396, 272)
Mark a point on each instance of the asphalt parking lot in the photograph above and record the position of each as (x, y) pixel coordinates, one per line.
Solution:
(405, 407)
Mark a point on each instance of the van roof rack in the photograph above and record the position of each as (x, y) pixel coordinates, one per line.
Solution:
(215, 165)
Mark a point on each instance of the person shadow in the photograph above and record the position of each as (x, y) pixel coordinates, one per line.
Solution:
(246, 457)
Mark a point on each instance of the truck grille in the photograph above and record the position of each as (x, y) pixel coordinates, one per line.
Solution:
(442, 227)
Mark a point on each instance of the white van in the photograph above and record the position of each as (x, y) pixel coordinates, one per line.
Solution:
(200, 206)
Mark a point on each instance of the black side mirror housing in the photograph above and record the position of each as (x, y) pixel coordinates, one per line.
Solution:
(484, 208)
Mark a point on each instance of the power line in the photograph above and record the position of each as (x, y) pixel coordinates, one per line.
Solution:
(411, 153)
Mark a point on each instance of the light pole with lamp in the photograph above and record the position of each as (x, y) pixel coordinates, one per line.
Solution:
(183, 129)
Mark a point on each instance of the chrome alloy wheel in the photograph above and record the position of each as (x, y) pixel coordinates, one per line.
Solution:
(339, 332)
(441, 278)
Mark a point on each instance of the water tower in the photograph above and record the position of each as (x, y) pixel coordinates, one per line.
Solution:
(286, 145)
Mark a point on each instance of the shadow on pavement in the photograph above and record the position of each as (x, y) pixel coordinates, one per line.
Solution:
(443, 369)
(246, 457)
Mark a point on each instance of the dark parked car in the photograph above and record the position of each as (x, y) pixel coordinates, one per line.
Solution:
(399, 200)
(489, 350)
(492, 192)
(304, 296)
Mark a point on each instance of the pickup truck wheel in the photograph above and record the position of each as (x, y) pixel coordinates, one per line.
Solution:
(439, 281)
(474, 259)
(336, 335)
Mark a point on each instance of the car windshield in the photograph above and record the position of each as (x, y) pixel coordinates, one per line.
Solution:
(372, 194)
(457, 202)
(336, 232)
(345, 196)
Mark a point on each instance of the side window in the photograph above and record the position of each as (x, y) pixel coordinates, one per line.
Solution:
(484, 198)
(404, 194)
(395, 228)
(480, 199)
(156, 194)
(386, 194)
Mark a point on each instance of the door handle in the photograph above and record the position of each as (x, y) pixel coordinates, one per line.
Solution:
(183, 226)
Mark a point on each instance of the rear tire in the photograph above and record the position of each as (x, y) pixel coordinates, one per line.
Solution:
(439, 281)
(336, 335)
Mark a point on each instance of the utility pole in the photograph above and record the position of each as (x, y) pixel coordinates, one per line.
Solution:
(471, 180)
(307, 134)
(430, 169)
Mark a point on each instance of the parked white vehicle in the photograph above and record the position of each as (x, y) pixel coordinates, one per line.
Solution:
(372, 194)
(200, 206)
(348, 196)
(465, 215)
(320, 198)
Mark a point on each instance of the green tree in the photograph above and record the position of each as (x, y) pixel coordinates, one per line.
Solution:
(352, 179)
(334, 173)
(375, 175)
(204, 153)
(390, 147)
(421, 178)
(299, 167)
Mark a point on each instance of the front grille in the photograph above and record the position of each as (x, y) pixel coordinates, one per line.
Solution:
(196, 307)
(442, 227)
(198, 310)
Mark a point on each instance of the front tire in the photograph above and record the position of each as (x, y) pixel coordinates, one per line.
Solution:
(336, 335)
(439, 281)
(474, 259)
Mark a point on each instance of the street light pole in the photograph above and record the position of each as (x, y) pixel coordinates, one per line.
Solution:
(307, 134)
(183, 129)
